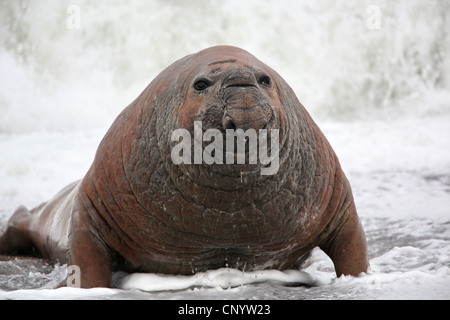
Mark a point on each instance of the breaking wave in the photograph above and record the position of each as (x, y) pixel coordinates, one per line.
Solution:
(72, 65)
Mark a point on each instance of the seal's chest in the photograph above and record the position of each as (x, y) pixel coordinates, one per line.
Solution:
(244, 228)
(234, 241)
(189, 260)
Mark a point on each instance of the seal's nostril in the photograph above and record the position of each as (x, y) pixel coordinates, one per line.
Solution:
(228, 123)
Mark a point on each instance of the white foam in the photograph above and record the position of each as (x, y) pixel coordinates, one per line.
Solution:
(222, 278)
(60, 79)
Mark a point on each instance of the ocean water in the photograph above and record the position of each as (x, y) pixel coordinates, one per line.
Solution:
(373, 74)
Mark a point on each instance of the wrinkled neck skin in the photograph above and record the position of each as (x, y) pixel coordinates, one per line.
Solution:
(212, 210)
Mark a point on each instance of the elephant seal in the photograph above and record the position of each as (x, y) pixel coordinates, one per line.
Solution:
(138, 210)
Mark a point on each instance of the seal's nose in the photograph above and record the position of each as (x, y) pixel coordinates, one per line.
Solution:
(245, 106)
(228, 123)
(244, 117)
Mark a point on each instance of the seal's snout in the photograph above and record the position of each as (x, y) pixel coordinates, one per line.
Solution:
(244, 118)
(228, 123)
(245, 106)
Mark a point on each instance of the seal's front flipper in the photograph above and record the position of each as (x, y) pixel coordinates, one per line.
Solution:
(347, 245)
(90, 257)
(16, 237)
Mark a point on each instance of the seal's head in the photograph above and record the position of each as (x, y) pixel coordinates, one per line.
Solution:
(228, 88)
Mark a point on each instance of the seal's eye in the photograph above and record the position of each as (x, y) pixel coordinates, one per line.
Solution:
(201, 84)
(265, 81)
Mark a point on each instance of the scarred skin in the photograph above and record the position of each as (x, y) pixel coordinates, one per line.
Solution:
(136, 210)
